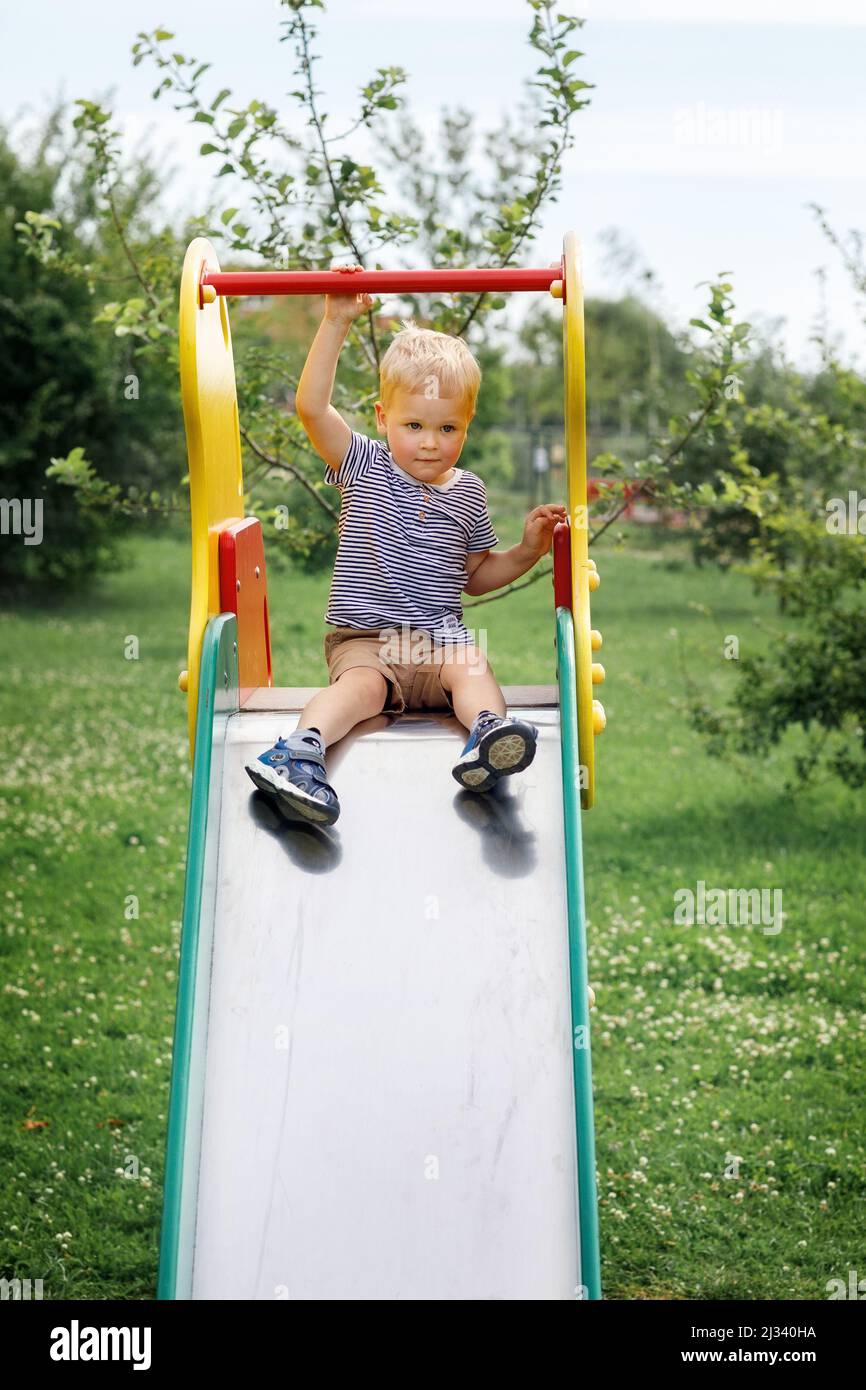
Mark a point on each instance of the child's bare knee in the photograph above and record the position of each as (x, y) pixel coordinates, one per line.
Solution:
(367, 685)
(470, 662)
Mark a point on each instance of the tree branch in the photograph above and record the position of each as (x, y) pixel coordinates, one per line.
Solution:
(292, 470)
(666, 461)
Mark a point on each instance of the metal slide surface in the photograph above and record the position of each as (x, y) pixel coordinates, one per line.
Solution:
(388, 1093)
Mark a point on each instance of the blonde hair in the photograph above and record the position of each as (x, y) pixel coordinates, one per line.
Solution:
(432, 364)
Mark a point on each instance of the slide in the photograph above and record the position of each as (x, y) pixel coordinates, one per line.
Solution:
(375, 1093)
(381, 1077)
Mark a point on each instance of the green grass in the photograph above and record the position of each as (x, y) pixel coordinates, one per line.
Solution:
(709, 1042)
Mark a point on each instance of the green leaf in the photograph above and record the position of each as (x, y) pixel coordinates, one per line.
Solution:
(228, 215)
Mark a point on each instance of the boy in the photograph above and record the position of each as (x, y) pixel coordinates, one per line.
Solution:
(414, 533)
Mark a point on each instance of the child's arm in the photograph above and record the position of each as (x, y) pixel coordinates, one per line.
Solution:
(324, 426)
(497, 570)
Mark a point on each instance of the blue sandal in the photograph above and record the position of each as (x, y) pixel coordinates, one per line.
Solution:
(496, 747)
(292, 774)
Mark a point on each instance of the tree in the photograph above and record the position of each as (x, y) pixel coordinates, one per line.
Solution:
(797, 469)
(61, 379)
(632, 353)
(303, 199)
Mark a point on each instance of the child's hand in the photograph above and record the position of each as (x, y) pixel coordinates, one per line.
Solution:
(538, 527)
(345, 308)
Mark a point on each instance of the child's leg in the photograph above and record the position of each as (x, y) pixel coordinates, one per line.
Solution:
(497, 745)
(472, 685)
(357, 694)
(293, 771)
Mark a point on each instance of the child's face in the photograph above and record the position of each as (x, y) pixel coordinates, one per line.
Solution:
(425, 436)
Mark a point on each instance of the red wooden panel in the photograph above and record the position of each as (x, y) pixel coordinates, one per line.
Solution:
(244, 592)
(561, 565)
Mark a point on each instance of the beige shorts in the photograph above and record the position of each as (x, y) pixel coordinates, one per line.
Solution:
(409, 659)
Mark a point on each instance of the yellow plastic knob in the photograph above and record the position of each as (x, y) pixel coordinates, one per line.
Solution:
(599, 718)
(556, 289)
(208, 294)
(591, 992)
(595, 639)
(594, 580)
(597, 673)
(183, 681)
(592, 564)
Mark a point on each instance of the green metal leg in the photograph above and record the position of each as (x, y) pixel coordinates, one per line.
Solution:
(577, 953)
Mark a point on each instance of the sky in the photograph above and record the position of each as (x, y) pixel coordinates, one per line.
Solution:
(711, 126)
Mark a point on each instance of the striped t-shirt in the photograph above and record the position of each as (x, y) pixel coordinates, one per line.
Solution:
(401, 557)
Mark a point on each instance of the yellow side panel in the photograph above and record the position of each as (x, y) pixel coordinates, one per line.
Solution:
(583, 578)
(210, 413)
